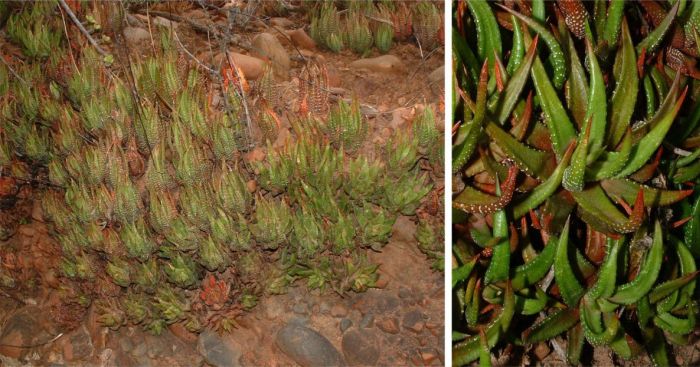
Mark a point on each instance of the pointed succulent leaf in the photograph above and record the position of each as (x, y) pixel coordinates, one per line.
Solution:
(554, 324)
(648, 272)
(627, 190)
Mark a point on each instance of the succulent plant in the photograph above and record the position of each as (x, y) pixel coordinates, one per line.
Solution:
(346, 126)
(357, 32)
(384, 37)
(581, 184)
(162, 208)
(427, 21)
(325, 28)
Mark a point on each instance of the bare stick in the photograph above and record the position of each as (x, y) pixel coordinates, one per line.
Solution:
(80, 26)
(190, 54)
(13, 71)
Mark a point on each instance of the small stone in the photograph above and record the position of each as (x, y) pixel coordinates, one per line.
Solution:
(542, 350)
(360, 348)
(390, 325)
(164, 22)
(178, 329)
(339, 310)
(266, 45)
(300, 308)
(345, 324)
(252, 67)
(215, 351)
(306, 346)
(413, 320)
(125, 344)
(404, 292)
(325, 307)
(437, 76)
(136, 35)
(382, 283)
(79, 346)
(428, 356)
(274, 309)
(381, 64)
(281, 22)
(251, 185)
(367, 321)
(255, 155)
(301, 39)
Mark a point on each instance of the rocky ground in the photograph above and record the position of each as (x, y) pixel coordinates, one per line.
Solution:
(400, 323)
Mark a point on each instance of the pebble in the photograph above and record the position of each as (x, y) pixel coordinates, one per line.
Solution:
(301, 39)
(306, 346)
(215, 351)
(281, 22)
(325, 307)
(428, 356)
(136, 35)
(300, 308)
(79, 346)
(266, 45)
(413, 321)
(360, 348)
(252, 67)
(367, 321)
(345, 324)
(404, 292)
(339, 310)
(390, 325)
(381, 64)
(437, 76)
(542, 350)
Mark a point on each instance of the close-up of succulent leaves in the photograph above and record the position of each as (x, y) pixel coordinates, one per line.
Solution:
(575, 157)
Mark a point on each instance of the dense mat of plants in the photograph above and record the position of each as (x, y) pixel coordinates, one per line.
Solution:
(575, 155)
(146, 172)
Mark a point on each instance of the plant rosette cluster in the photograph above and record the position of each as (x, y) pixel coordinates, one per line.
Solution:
(158, 216)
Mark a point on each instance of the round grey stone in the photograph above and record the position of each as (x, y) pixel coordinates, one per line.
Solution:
(345, 324)
(307, 347)
(360, 348)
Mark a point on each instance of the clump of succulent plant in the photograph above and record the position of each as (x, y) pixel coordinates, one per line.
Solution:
(357, 32)
(384, 37)
(363, 24)
(573, 204)
(326, 28)
(159, 216)
(427, 22)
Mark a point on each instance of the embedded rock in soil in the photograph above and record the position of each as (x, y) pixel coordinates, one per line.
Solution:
(136, 35)
(437, 76)
(26, 327)
(79, 346)
(339, 310)
(414, 321)
(367, 321)
(307, 347)
(265, 45)
(390, 325)
(252, 67)
(345, 324)
(360, 348)
(301, 39)
(281, 22)
(215, 351)
(381, 64)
